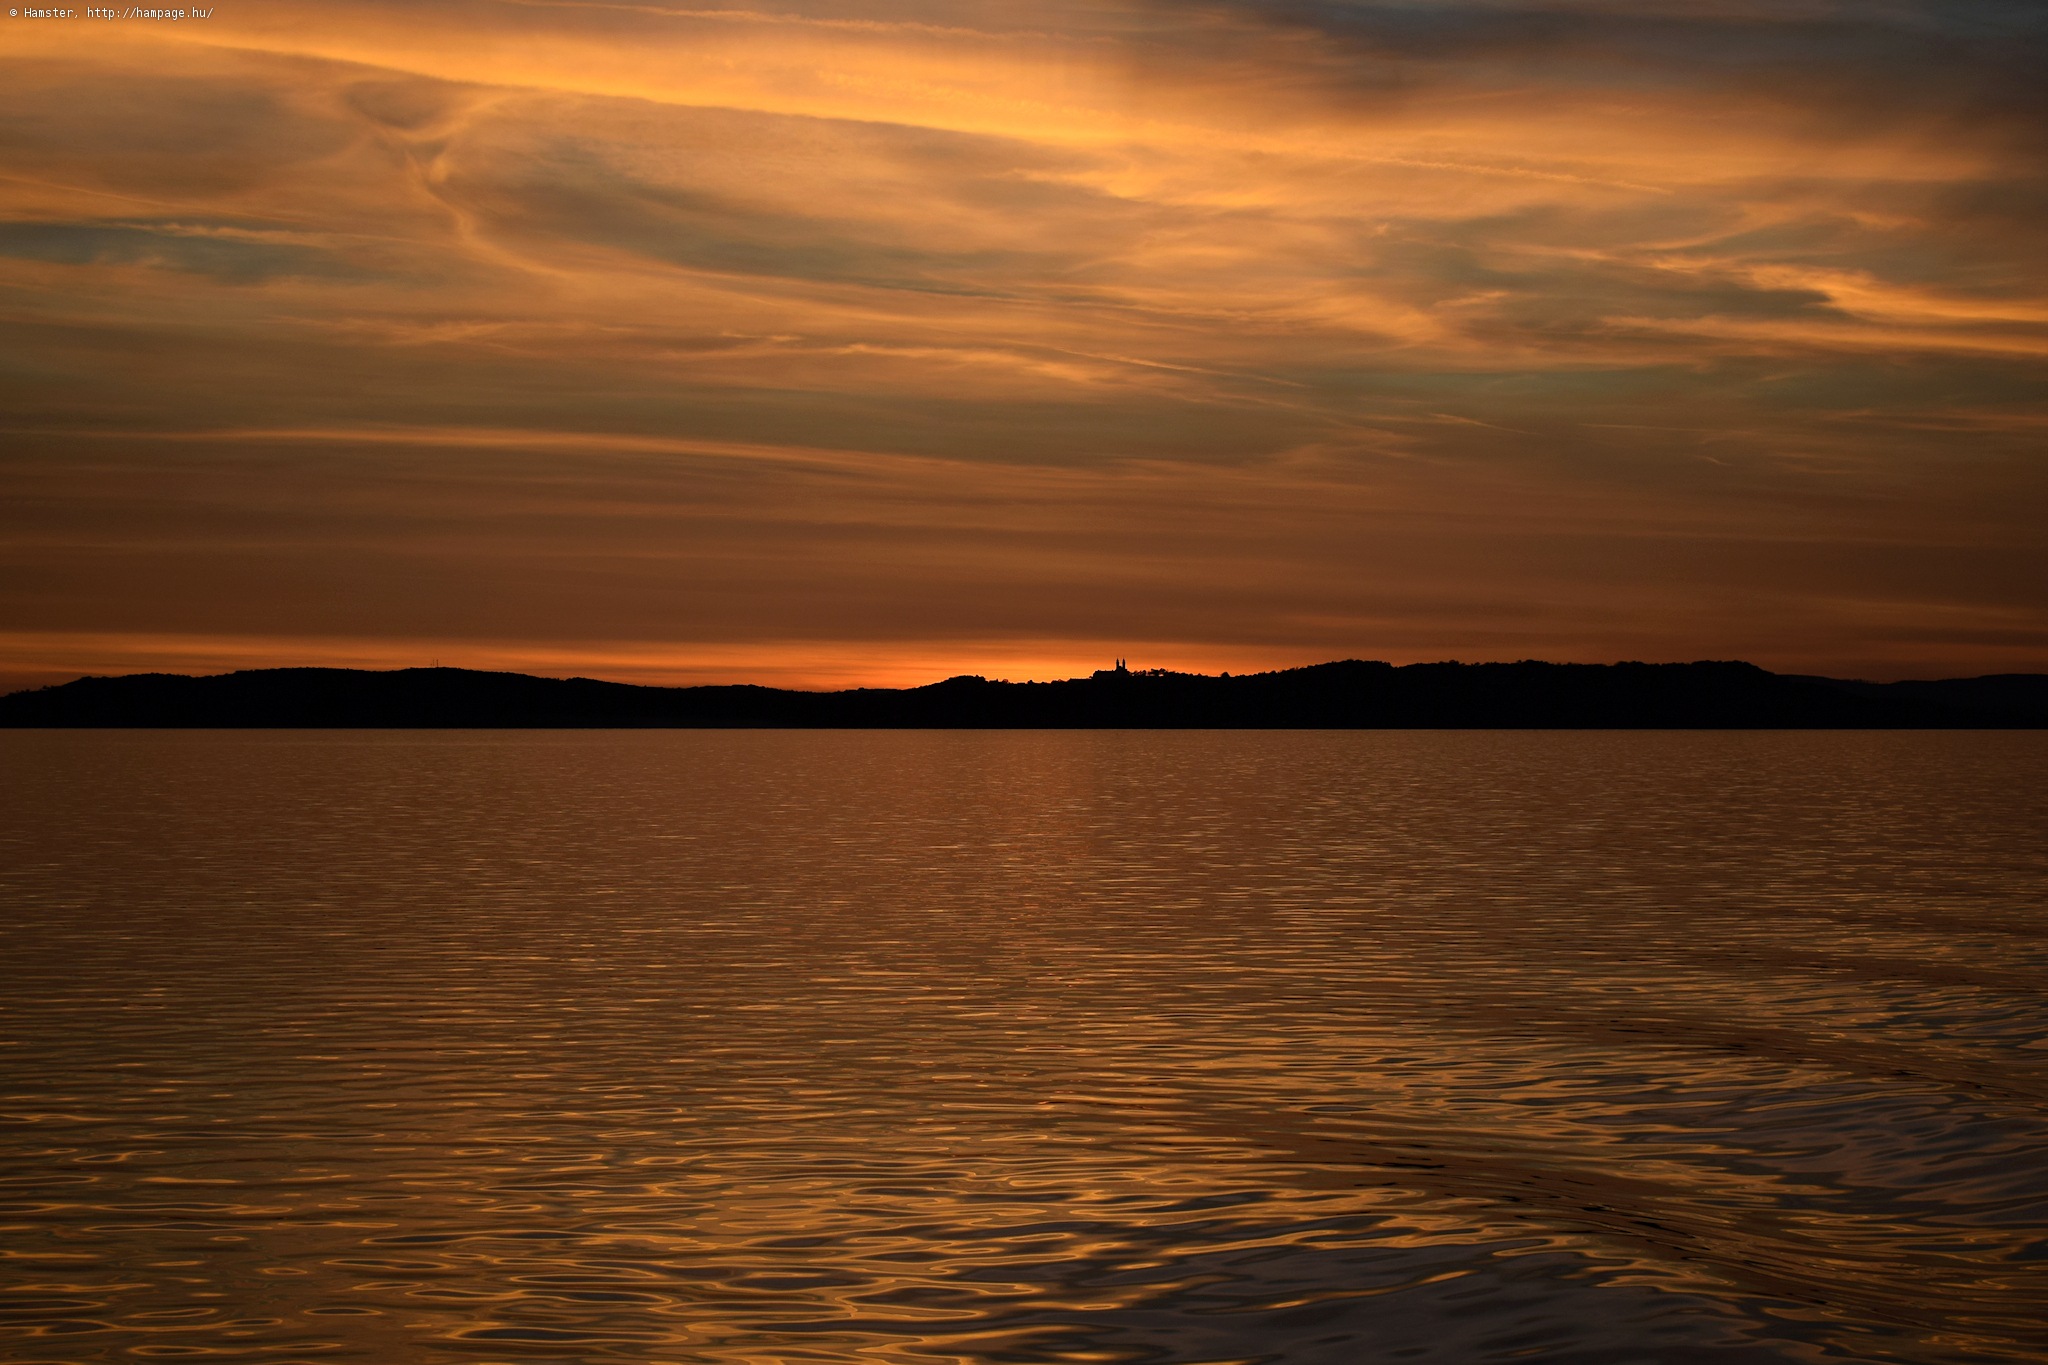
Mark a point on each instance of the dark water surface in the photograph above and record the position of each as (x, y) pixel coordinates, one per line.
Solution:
(921, 1047)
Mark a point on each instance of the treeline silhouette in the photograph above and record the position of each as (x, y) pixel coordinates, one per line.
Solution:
(1351, 694)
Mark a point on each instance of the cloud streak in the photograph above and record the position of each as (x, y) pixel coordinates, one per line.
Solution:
(1239, 330)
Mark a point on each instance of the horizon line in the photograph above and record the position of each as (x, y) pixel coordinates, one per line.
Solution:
(1118, 668)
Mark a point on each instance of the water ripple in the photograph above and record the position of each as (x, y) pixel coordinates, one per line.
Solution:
(1204, 1048)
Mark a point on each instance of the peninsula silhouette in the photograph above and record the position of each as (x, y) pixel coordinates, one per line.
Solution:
(1350, 694)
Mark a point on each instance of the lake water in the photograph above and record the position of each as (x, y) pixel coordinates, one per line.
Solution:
(1317, 1048)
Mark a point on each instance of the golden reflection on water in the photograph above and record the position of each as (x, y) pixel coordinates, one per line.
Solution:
(927, 1047)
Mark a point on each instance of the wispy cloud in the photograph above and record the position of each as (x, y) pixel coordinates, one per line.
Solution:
(1480, 326)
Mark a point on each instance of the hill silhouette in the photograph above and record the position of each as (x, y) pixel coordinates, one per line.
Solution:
(1350, 694)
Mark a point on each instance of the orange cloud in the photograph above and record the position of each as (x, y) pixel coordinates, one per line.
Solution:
(1237, 335)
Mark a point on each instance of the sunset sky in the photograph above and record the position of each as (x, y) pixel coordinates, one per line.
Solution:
(833, 343)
